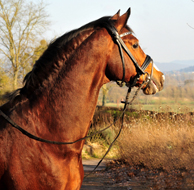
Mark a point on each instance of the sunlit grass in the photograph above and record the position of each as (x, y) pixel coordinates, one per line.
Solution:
(159, 141)
(152, 139)
(159, 105)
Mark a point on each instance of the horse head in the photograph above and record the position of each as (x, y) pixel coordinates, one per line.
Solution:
(128, 62)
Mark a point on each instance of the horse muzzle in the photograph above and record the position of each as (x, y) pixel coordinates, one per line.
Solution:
(154, 85)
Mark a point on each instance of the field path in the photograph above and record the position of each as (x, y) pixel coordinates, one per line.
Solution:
(100, 181)
(121, 176)
(90, 164)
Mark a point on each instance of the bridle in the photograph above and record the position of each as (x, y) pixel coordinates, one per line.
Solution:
(140, 71)
(121, 45)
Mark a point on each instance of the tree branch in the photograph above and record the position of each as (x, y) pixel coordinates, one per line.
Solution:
(190, 26)
(21, 23)
(7, 55)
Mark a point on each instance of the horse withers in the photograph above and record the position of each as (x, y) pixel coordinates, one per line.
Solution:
(58, 100)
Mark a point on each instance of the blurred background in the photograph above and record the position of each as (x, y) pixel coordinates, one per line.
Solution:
(165, 30)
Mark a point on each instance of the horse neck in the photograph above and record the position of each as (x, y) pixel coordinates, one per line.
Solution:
(71, 102)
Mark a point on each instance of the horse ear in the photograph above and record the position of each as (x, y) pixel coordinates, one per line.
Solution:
(122, 20)
(116, 16)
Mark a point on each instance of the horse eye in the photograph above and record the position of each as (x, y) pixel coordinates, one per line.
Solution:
(135, 46)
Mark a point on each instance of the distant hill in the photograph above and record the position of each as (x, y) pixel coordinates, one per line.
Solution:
(187, 69)
(178, 65)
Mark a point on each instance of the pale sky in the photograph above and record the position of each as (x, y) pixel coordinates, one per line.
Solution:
(160, 26)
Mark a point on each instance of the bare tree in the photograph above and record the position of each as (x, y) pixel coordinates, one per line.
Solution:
(21, 24)
(187, 23)
(190, 26)
(105, 90)
(30, 59)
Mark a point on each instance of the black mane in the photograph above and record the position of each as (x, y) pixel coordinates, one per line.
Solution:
(49, 61)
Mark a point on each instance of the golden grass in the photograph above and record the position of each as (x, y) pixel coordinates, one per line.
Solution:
(166, 141)
(156, 140)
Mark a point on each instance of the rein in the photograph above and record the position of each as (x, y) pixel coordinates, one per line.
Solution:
(13, 124)
(140, 71)
(126, 104)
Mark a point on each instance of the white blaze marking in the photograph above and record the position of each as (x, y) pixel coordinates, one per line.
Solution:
(163, 77)
(156, 67)
(159, 70)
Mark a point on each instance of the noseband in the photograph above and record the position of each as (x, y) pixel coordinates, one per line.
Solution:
(140, 70)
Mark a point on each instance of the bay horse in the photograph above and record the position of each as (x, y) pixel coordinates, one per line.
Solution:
(58, 100)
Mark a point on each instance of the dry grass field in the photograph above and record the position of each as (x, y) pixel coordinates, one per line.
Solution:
(151, 139)
(154, 151)
(159, 140)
